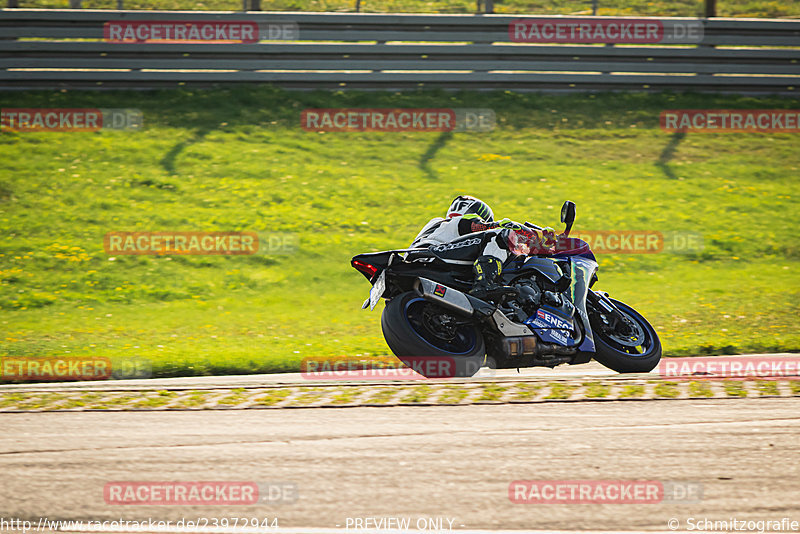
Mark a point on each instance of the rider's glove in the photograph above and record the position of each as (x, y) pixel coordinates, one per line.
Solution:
(549, 237)
(538, 241)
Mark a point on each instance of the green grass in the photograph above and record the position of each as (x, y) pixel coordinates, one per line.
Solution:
(767, 387)
(596, 390)
(734, 388)
(195, 399)
(526, 391)
(666, 389)
(119, 400)
(492, 392)
(161, 398)
(309, 395)
(417, 395)
(632, 391)
(83, 401)
(684, 8)
(452, 395)
(382, 396)
(700, 389)
(560, 391)
(273, 397)
(347, 395)
(237, 396)
(238, 160)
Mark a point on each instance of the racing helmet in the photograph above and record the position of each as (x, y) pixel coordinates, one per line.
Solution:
(464, 204)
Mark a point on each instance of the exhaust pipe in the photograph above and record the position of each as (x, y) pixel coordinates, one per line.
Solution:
(447, 297)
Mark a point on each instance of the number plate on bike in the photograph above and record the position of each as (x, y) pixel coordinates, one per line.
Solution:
(377, 290)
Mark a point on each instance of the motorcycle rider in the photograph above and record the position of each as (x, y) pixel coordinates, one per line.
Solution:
(470, 230)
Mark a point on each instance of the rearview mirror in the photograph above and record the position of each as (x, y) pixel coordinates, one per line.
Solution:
(568, 215)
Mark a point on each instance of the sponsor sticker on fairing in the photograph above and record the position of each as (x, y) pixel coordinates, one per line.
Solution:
(554, 328)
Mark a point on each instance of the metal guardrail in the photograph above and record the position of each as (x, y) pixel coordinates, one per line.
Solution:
(372, 51)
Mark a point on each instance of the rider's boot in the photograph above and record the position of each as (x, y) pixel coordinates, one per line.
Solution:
(486, 284)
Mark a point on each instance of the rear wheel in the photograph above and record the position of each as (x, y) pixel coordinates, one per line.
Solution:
(431, 340)
(630, 346)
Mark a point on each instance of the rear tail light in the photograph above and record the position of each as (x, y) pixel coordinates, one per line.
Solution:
(365, 268)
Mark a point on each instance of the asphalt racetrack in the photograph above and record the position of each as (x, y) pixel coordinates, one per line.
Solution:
(446, 468)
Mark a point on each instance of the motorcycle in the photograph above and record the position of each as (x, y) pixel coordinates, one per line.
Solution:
(550, 316)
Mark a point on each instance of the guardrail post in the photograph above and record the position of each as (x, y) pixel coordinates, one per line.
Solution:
(13, 3)
(255, 5)
(74, 4)
(711, 8)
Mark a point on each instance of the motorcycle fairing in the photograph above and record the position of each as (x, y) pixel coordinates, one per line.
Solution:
(546, 267)
(582, 270)
(551, 327)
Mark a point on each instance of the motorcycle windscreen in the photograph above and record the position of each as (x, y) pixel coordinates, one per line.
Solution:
(581, 271)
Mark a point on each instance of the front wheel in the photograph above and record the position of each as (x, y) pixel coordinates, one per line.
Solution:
(630, 346)
(431, 340)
